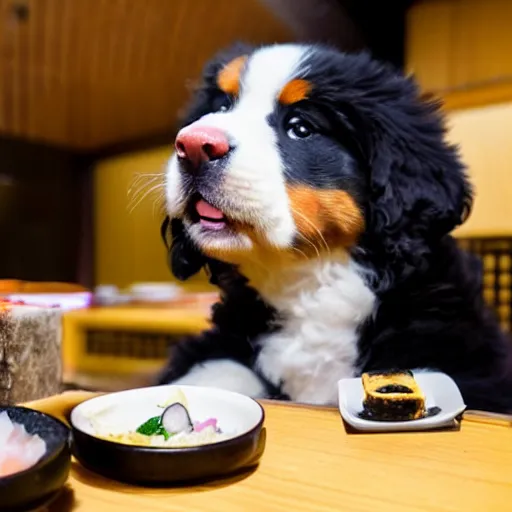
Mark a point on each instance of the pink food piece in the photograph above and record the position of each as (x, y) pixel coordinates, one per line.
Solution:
(212, 422)
(18, 449)
(11, 465)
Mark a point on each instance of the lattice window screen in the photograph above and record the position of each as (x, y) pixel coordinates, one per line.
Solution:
(496, 256)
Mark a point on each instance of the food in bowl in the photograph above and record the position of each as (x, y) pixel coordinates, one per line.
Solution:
(19, 450)
(392, 396)
(174, 428)
(188, 456)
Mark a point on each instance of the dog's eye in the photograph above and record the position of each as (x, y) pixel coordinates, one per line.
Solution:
(222, 103)
(224, 107)
(297, 128)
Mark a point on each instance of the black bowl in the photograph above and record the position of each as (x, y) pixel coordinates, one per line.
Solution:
(38, 484)
(163, 466)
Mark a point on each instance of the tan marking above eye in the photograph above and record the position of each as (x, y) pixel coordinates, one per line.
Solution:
(325, 216)
(295, 91)
(228, 78)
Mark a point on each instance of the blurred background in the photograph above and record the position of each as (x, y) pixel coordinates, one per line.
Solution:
(90, 94)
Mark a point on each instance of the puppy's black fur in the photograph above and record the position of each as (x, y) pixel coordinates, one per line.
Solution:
(430, 311)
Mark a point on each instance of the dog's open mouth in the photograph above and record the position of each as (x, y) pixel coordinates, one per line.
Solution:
(206, 215)
(209, 216)
(213, 229)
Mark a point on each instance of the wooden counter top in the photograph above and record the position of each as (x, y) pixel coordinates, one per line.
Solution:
(312, 464)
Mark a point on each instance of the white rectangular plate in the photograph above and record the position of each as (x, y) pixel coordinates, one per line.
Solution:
(439, 389)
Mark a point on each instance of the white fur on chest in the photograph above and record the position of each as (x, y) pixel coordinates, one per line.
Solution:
(324, 303)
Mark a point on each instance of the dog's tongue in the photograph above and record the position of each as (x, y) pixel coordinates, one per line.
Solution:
(207, 210)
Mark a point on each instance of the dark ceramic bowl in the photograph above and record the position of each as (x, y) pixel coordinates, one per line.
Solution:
(239, 417)
(38, 484)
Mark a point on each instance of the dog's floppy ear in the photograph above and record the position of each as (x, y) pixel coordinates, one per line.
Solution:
(418, 190)
(184, 258)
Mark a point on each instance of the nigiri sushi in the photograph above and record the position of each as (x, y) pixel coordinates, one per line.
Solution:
(19, 450)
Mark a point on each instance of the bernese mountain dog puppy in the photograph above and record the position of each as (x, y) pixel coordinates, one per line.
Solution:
(319, 192)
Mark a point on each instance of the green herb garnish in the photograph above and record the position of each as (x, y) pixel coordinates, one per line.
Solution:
(153, 427)
(150, 427)
(163, 432)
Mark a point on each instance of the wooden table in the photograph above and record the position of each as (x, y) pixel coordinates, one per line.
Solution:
(312, 464)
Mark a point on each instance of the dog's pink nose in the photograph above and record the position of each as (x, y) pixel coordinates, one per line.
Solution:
(199, 144)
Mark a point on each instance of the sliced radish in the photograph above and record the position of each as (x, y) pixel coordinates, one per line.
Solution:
(176, 420)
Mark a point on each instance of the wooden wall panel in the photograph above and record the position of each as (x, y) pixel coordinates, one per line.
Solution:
(90, 73)
(460, 50)
(484, 137)
(428, 46)
(127, 241)
(482, 41)
(455, 45)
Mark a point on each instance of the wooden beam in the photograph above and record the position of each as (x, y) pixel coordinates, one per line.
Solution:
(478, 95)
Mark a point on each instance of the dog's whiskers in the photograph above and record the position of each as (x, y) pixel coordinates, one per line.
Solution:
(301, 252)
(311, 243)
(142, 186)
(159, 205)
(143, 193)
(139, 177)
(137, 187)
(320, 236)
